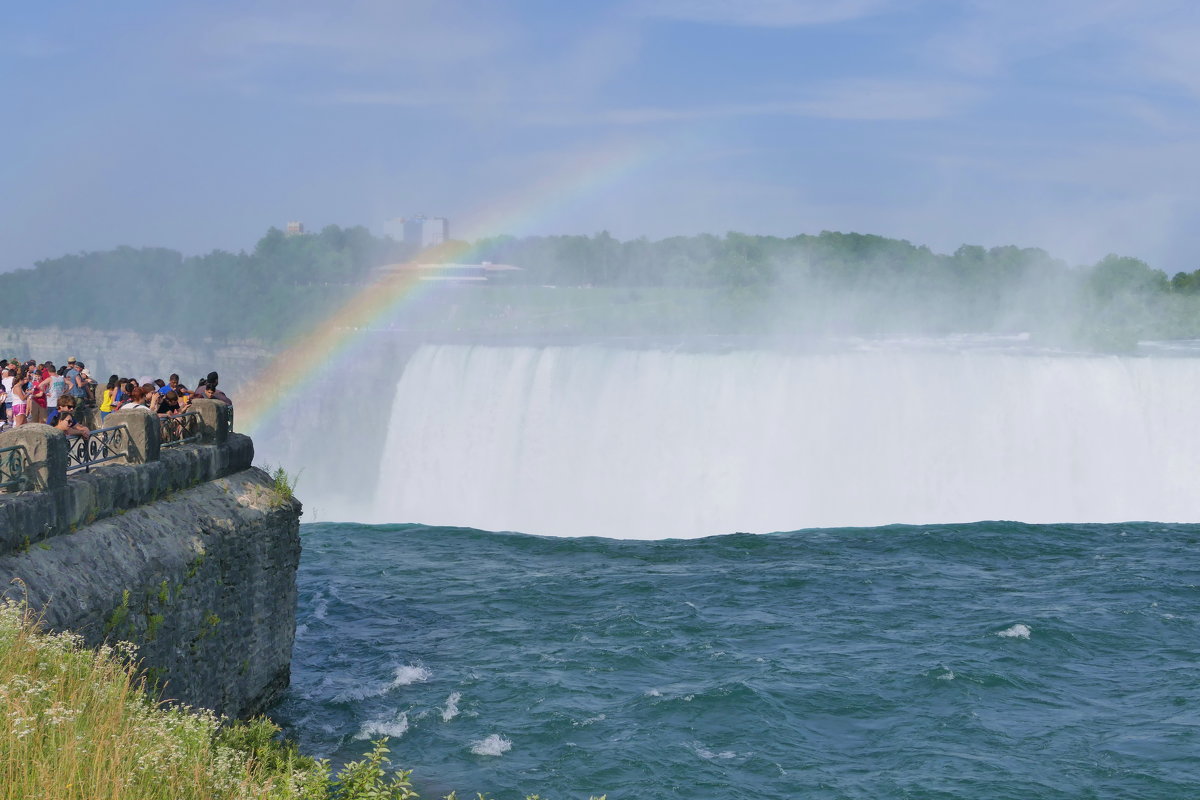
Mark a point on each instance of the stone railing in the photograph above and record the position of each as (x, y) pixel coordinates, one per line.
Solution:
(181, 428)
(14, 463)
(47, 490)
(187, 551)
(40, 457)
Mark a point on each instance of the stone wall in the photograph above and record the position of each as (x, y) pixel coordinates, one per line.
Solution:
(191, 556)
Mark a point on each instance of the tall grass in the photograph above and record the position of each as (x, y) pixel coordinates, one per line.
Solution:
(78, 724)
(283, 483)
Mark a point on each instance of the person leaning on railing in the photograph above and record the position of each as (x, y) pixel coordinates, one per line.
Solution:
(67, 424)
(168, 405)
(66, 405)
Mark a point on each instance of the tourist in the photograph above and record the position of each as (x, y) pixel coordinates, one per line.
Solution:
(169, 404)
(88, 384)
(21, 400)
(7, 379)
(67, 424)
(212, 392)
(109, 399)
(75, 383)
(65, 405)
(151, 395)
(137, 399)
(52, 387)
(36, 404)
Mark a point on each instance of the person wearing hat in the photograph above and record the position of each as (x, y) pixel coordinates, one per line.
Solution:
(75, 385)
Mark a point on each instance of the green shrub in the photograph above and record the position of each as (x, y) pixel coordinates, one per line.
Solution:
(283, 483)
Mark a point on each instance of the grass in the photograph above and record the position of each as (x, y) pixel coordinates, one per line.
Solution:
(78, 724)
(283, 483)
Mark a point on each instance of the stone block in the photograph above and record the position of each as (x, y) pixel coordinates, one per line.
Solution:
(142, 433)
(215, 420)
(47, 452)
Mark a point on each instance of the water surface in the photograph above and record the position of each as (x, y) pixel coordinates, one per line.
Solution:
(997, 660)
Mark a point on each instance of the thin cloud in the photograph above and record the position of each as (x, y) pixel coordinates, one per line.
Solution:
(1170, 55)
(990, 38)
(761, 13)
(364, 36)
(875, 99)
(867, 100)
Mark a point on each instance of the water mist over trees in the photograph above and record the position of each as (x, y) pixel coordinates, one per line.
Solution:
(839, 283)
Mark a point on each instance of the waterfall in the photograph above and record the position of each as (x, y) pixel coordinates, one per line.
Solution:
(594, 440)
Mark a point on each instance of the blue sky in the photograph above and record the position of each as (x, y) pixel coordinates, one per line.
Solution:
(1068, 125)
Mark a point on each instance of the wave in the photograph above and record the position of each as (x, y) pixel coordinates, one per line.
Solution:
(1017, 631)
(404, 675)
(451, 709)
(395, 727)
(494, 745)
(409, 674)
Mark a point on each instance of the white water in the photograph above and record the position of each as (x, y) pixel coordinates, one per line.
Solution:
(578, 441)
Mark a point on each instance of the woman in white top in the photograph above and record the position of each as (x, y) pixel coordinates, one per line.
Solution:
(21, 399)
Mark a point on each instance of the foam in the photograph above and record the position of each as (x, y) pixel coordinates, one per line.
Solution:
(403, 676)
(409, 674)
(493, 745)
(705, 753)
(395, 727)
(1017, 631)
(451, 709)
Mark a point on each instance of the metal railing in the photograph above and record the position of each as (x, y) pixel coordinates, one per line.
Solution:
(14, 468)
(179, 429)
(103, 444)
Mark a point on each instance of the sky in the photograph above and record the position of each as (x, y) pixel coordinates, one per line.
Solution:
(1069, 125)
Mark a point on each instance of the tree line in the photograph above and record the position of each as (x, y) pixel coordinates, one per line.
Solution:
(828, 282)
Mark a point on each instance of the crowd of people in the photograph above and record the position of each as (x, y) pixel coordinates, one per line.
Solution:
(60, 397)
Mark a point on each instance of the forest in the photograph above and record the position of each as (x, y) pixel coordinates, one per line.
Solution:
(826, 283)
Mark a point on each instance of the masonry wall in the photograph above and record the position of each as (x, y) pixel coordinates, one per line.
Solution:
(191, 556)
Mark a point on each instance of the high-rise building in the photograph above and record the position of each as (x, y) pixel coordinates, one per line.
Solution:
(422, 231)
(294, 228)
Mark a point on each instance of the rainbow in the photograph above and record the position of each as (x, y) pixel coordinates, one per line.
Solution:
(274, 387)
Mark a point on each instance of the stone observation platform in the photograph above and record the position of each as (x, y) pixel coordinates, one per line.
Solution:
(158, 532)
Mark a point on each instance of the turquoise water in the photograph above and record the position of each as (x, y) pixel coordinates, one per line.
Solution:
(991, 660)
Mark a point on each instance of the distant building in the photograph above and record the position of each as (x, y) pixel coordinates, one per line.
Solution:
(294, 228)
(422, 231)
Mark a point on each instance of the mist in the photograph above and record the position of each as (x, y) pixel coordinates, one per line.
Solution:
(981, 174)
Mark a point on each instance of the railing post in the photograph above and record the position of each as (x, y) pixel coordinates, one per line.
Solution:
(214, 420)
(142, 428)
(47, 450)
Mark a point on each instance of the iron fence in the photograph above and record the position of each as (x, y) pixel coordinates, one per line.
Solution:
(179, 429)
(14, 468)
(103, 444)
